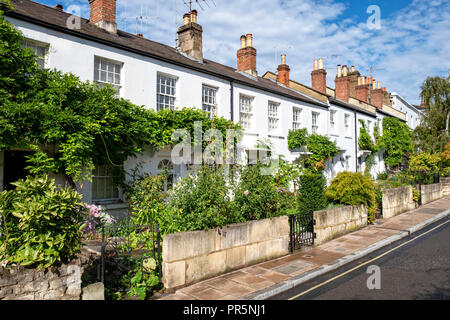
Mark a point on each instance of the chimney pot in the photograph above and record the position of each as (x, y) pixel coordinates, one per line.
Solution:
(321, 63)
(103, 14)
(283, 58)
(339, 71)
(316, 64)
(186, 19)
(193, 16)
(249, 40)
(344, 70)
(243, 41)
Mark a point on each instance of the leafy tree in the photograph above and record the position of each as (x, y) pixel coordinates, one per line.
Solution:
(432, 134)
(396, 142)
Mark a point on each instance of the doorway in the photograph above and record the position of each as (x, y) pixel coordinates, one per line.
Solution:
(14, 167)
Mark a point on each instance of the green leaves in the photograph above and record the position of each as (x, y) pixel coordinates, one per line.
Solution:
(396, 142)
(352, 188)
(42, 222)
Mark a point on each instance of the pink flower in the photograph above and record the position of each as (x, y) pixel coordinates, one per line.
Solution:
(246, 192)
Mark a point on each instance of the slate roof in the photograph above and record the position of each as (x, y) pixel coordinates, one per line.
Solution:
(49, 17)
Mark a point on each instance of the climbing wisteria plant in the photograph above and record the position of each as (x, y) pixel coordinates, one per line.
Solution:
(74, 125)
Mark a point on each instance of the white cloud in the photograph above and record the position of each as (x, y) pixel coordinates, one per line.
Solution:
(412, 44)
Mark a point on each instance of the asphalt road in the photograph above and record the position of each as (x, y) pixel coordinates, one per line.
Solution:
(414, 268)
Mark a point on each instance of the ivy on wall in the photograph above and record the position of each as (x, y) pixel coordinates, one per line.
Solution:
(321, 147)
(366, 142)
(396, 142)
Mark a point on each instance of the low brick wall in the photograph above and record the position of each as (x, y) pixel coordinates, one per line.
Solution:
(431, 192)
(397, 201)
(338, 221)
(445, 186)
(19, 283)
(190, 257)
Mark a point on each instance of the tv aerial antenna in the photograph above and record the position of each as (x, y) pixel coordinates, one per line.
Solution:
(143, 18)
(191, 3)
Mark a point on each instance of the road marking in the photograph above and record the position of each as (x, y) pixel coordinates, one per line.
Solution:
(365, 263)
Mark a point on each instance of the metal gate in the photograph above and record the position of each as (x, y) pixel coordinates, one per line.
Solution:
(301, 231)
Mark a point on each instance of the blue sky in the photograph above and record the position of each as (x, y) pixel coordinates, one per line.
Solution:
(412, 43)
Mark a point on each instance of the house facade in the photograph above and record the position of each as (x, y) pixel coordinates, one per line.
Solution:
(157, 76)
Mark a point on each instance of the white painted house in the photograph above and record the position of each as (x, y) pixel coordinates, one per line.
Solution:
(158, 76)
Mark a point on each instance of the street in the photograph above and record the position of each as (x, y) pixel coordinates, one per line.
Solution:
(415, 268)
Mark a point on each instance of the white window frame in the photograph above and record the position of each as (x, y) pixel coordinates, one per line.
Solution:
(332, 121)
(245, 111)
(168, 98)
(273, 116)
(108, 72)
(315, 122)
(347, 124)
(296, 118)
(209, 100)
(42, 61)
(113, 193)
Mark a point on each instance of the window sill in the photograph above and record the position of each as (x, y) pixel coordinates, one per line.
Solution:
(347, 137)
(276, 137)
(334, 134)
(251, 134)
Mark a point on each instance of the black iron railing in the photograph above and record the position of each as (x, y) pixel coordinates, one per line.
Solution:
(127, 247)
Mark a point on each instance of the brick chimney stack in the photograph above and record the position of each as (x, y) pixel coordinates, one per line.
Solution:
(103, 14)
(246, 56)
(319, 76)
(377, 96)
(190, 36)
(283, 72)
(362, 89)
(342, 84)
(353, 75)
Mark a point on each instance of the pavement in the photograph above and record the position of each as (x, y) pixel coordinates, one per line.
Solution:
(268, 279)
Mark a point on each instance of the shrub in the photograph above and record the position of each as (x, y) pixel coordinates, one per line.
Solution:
(322, 149)
(202, 200)
(383, 176)
(311, 195)
(423, 165)
(42, 224)
(354, 189)
(255, 195)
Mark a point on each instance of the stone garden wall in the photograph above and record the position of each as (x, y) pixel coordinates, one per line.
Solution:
(19, 283)
(338, 221)
(189, 257)
(431, 192)
(445, 186)
(397, 200)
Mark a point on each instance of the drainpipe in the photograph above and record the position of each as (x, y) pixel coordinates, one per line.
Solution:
(232, 101)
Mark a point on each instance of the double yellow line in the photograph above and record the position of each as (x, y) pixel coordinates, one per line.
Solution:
(365, 263)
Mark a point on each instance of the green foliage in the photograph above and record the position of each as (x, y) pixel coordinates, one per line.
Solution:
(287, 173)
(42, 223)
(311, 195)
(202, 200)
(431, 135)
(297, 139)
(396, 142)
(354, 189)
(366, 143)
(423, 165)
(255, 195)
(322, 148)
(383, 176)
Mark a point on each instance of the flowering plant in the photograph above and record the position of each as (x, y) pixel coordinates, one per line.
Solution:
(95, 220)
